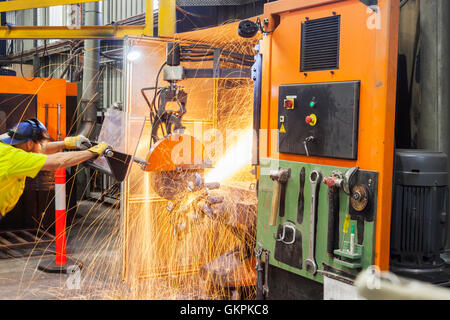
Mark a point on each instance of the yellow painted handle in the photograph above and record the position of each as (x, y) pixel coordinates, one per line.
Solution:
(275, 203)
(346, 224)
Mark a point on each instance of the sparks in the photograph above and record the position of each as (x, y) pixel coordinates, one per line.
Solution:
(234, 160)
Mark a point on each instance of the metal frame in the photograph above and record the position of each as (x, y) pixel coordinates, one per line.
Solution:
(166, 25)
(24, 238)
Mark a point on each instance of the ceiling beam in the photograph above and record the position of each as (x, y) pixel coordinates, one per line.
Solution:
(83, 32)
(32, 4)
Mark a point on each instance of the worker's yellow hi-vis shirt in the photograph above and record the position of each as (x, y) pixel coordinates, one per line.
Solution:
(15, 166)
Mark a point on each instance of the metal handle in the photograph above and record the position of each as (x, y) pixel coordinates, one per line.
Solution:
(283, 235)
(109, 153)
(305, 144)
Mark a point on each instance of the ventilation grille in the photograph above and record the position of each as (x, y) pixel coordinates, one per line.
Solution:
(416, 222)
(320, 44)
(415, 205)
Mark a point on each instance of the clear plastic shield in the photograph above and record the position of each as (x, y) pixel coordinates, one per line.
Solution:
(121, 131)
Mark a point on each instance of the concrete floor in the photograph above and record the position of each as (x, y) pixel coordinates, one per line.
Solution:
(93, 240)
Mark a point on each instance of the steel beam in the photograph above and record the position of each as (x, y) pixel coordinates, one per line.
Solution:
(32, 4)
(83, 32)
(69, 32)
(167, 17)
(148, 18)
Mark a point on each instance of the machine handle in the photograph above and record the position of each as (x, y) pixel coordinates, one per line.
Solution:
(275, 202)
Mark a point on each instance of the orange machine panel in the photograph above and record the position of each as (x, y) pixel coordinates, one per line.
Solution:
(368, 53)
(50, 93)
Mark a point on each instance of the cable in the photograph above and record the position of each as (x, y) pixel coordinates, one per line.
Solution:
(152, 104)
(196, 60)
(73, 56)
(402, 3)
(112, 57)
(156, 84)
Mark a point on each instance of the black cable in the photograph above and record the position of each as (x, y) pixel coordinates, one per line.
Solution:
(196, 55)
(201, 51)
(112, 57)
(155, 95)
(197, 46)
(164, 132)
(154, 109)
(241, 63)
(156, 84)
(196, 60)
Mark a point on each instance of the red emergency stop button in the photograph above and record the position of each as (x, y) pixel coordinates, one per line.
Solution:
(311, 120)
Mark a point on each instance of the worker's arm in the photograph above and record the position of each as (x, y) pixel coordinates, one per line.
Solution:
(61, 160)
(69, 159)
(53, 147)
(79, 142)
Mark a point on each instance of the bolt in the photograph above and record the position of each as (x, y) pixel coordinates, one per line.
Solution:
(357, 196)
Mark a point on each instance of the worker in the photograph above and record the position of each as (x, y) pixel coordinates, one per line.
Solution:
(25, 150)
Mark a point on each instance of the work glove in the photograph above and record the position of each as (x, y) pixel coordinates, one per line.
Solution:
(99, 149)
(78, 142)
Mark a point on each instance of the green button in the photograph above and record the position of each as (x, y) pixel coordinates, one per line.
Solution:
(312, 104)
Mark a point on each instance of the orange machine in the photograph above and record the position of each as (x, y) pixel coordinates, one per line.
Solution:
(327, 105)
(39, 98)
(48, 100)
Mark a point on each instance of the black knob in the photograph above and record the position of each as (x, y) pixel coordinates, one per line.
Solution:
(247, 29)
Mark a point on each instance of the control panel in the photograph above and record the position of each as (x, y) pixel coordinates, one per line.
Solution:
(319, 119)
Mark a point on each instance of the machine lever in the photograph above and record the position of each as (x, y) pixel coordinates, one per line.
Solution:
(305, 144)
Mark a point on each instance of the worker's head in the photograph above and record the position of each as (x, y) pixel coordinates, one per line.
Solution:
(27, 135)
